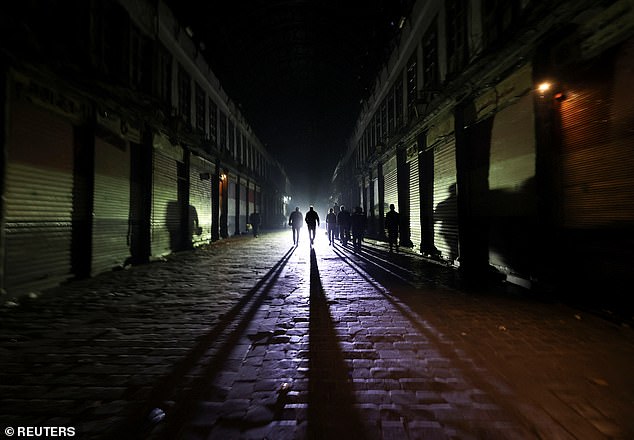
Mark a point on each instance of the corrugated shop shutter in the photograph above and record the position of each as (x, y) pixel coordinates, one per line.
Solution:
(513, 149)
(200, 200)
(243, 208)
(509, 204)
(111, 206)
(231, 211)
(251, 197)
(38, 199)
(375, 188)
(366, 192)
(414, 203)
(598, 134)
(445, 203)
(390, 185)
(166, 212)
(258, 198)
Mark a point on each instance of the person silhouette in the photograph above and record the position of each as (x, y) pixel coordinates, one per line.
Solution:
(312, 221)
(358, 222)
(296, 221)
(337, 209)
(391, 225)
(331, 226)
(343, 221)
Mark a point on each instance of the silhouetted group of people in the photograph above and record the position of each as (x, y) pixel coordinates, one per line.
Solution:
(296, 221)
(340, 225)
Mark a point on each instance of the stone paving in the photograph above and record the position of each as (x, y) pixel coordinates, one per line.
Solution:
(250, 338)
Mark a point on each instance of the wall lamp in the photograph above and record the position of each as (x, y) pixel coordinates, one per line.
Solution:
(223, 177)
(548, 88)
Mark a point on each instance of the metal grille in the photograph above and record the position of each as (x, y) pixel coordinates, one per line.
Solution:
(445, 203)
(166, 218)
(38, 200)
(414, 204)
(251, 197)
(243, 208)
(390, 185)
(598, 158)
(110, 207)
(200, 200)
(231, 206)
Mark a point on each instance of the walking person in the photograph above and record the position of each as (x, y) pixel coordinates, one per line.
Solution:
(312, 221)
(357, 224)
(331, 226)
(343, 222)
(296, 221)
(255, 221)
(392, 222)
(337, 210)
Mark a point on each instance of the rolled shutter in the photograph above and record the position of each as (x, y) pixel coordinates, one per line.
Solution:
(445, 203)
(38, 199)
(111, 206)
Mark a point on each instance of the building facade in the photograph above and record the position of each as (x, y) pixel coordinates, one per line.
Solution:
(503, 132)
(119, 144)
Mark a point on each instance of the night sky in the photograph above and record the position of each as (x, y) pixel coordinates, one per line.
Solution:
(298, 69)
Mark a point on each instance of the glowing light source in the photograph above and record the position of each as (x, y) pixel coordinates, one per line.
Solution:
(544, 87)
(223, 176)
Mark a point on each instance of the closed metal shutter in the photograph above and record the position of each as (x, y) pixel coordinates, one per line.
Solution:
(258, 198)
(509, 205)
(375, 188)
(110, 206)
(390, 193)
(390, 187)
(598, 159)
(414, 203)
(200, 200)
(38, 199)
(231, 211)
(243, 208)
(513, 149)
(445, 203)
(251, 197)
(166, 212)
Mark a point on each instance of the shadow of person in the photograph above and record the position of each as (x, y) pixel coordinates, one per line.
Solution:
(331, 412)
(182, 225)
(446, 213)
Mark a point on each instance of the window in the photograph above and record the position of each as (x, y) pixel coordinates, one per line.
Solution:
(232, 139)
(390, 111)
(222, 128)
(164, 75)
(377, 127)
(431, 76)
(412, 85)
(213, 122)
(201, 116)
(498, 17)
(140, 61)
(384, 120)
(398, 102)
(243, 148)
(457, 49)
(184, 94)
(114, 44)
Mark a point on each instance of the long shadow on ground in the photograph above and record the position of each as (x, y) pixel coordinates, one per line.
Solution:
(331, 413)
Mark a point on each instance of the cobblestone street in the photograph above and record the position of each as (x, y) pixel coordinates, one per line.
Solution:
(251, 338)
